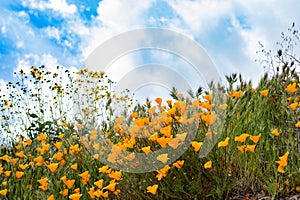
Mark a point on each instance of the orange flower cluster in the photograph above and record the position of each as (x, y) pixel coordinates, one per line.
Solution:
(243, 137)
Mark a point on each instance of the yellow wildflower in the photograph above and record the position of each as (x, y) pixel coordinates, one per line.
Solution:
(61, 136)
(283, 159)
(14, 160)
(251, 148)
(255, 139)
(58, 156)
(242, 148)
(115, 175)
(224, 143)
(75, 196)
(146, 149)
(208, 97)
(209, 118)
(38, 160)
(153, 137)
(74, 166)
(237, 94)
(111, 187)
(94, 193)
(69, 183)
(58, 145)
(51, 197)
(99, 183)
(23, 166)
(152, 110)
(208, 165)
(44, 183)
(241, 138)
(134, 115)
(163, 158)
(178, 164)
(52, 167)
(7, 173)
(275, 132)
(152, 189)
(64, 192)
(166, 131)
(21, 154)
(85, 177)
(77, 190)
(264, 92)
(223, 106)
(196, 145)
(293, 106)
(162, 172)
(79, 127)
(162, 141)
(280, 169)
(179, 95)
(19, 174)
(158, 100)
(5, 158)
(291, 88)
(3, 192)
(41, 137)
(105, 169)
(174, 143)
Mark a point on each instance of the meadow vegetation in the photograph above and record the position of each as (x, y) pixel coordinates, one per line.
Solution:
(60, 126)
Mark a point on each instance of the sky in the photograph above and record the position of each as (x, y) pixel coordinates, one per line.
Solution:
(66, 32)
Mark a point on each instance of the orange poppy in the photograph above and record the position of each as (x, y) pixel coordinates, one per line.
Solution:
(152, 189)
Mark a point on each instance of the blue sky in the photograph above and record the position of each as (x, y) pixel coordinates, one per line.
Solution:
(65, 32)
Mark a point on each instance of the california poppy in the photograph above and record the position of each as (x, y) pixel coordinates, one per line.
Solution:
(264, 92)
(99, 183)
(19, 174)
(208, 165)
(196, 145)
(52, 167)
(255, 139)
(291, 88)
(178, 164)
(241, 138)
(224, 143)
(152, 189)
(158, 100)
(163, 158)
(146, 149)
(275, 132)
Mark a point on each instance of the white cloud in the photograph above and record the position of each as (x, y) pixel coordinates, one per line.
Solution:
(52, 32)
(28, 60)
(60, 6)
(19, 44)
(266, 21)
(114, 17)
(247, 22)
(23, 15)
(3, 90)
(3, 30)
(198, 16)
(123, 14)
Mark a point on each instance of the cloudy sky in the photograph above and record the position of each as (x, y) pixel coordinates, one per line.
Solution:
(66, 32)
